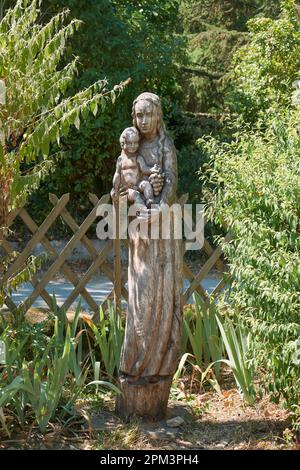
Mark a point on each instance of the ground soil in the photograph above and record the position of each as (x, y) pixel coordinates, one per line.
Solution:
(212, 421)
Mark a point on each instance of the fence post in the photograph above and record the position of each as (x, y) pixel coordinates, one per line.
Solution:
(117, 258)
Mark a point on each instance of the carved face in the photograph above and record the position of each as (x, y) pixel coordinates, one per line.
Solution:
(131, 143)
(146, 117)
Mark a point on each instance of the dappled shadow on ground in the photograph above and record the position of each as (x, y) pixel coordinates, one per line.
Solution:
(210, 421)
(249, 434)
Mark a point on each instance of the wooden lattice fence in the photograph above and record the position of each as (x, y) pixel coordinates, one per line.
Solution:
(59, 261)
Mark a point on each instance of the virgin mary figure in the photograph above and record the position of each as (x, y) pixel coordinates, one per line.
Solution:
(151, 347)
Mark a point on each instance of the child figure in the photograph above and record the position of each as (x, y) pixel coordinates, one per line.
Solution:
(132, 171)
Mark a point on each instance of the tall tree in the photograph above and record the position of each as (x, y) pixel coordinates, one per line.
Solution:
(215, 29)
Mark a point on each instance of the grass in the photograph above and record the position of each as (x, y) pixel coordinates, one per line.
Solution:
(126, 437)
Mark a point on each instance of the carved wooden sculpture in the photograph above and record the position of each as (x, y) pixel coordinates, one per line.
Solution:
(153, 326)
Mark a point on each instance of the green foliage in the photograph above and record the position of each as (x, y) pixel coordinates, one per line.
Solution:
(45, 370)
(41, 365)
(209, 340)
(191, 156)
(6, 394)
(44, 388)
(229, 14)
(256, 181)
(215, 30)
(237, 344)
(252, 188)
(201, 334)
(266, 68)
(34, 112)
(262, 208)
(118, 39)
(109, 336)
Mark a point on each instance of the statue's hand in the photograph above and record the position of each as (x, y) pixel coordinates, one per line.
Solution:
(114, 194)
(118, 195)
(123, 192)
(155, 169)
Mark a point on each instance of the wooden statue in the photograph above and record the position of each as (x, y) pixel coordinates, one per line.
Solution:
(132, 172)
(153, 325)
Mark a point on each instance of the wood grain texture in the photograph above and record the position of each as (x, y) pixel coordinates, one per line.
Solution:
(144, 400)
(151, 346)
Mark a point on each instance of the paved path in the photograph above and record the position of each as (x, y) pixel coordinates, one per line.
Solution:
(98, 287)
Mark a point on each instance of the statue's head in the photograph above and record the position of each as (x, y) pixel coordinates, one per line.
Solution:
(130, 139)
(147, 113)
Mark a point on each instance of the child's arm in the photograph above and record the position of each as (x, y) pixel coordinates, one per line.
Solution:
(117, 175)
(117, 180)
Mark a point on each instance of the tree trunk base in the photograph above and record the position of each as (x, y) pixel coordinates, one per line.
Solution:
(144, 398)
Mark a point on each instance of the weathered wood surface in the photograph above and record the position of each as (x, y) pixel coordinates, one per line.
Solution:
(117, 261)
(119, 290)
(99, 261)
(60, 261)
(151, 346)
(208, 265)
(144, 399)
(153, 328)
(62, 257)
(151, 349)
(50, 219)
(54, 255)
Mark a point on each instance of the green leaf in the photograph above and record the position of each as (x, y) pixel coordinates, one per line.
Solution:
(77, 121)
(94, 108)
(45, 146)
(106, 385)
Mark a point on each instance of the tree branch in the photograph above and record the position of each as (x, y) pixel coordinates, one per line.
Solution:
(201, 72)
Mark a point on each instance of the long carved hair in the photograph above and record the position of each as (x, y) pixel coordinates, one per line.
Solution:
(161, 129)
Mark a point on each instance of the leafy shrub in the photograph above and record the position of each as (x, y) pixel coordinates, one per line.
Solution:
(34, 111)
(264, 69)
(45, 371)
(257, 196)
(253, 189)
